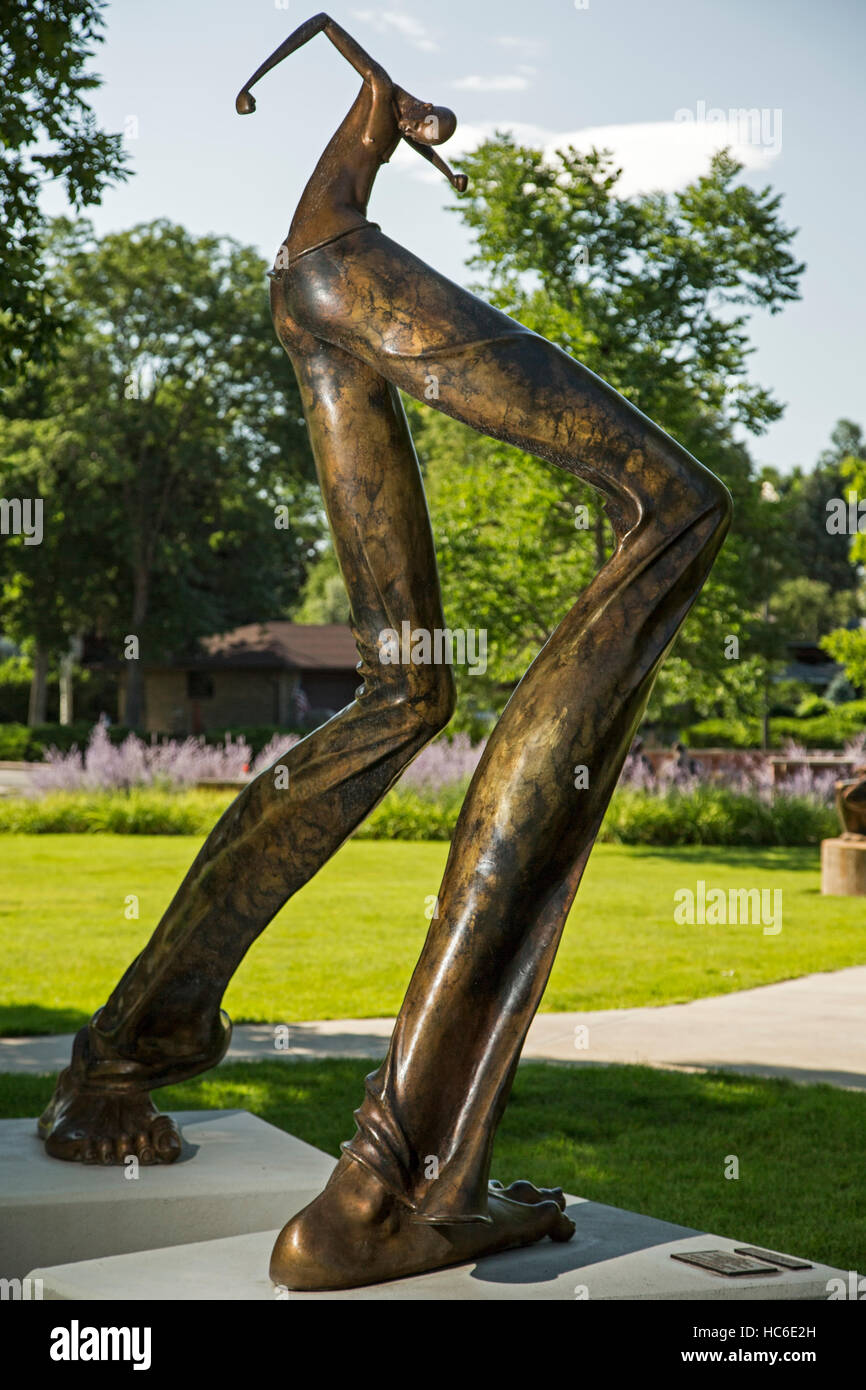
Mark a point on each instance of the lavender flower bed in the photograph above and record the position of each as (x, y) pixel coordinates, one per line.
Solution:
(444, 766)
(169, 763)
(148, 789)
(750, 775)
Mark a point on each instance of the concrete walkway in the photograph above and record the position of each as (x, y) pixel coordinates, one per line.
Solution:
(15, 778)
(810, 1029)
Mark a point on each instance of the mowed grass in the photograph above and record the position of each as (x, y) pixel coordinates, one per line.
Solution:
(345, 946)
(650, 1141)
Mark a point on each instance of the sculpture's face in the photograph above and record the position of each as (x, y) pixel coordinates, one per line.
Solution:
(423, 122)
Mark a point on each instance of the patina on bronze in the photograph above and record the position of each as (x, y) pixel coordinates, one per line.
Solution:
(361, 319)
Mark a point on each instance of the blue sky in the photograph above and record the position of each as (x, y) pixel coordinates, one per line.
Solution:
(632, 74)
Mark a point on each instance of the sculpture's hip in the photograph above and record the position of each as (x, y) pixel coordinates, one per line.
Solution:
(365, 293)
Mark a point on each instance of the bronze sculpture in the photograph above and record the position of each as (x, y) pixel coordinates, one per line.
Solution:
(851, 804)
(361, 319)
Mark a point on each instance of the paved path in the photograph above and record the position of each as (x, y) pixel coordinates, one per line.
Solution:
(810, 1029)
(15, 778)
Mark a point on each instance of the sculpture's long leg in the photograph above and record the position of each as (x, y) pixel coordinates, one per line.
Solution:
(411, 1191)
(539, 794)
(162, 1021)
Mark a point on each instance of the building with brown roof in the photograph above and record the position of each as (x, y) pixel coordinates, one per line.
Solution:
(277, 673)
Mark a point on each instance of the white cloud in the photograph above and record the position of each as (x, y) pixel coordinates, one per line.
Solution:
(530, 48)
(653, 155)
(511, 82)
(411, 29)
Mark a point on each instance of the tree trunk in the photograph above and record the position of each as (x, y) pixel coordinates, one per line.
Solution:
(67, 688)
(765, 712)
(133, 713)
(38, 687)
(134, 703)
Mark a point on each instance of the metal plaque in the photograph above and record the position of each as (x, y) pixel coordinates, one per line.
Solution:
(785, 1261)
(725, 1262)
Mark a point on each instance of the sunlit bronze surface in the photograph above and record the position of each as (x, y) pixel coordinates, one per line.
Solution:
(361, 319)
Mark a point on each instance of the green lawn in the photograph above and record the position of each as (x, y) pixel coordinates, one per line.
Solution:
(346, 944)
(650, 1141)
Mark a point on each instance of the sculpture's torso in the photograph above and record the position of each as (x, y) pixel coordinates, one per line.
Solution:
(336, 196)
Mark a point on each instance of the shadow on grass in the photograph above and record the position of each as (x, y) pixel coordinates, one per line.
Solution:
(789, 858)
(665, 1144)
(28, 1020)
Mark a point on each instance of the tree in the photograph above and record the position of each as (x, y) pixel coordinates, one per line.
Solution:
(847, 645)
(173, 461)
(806, 609)
(653, 293)
(47, 131)
(324, 598)
(51, 581)
(813, 548)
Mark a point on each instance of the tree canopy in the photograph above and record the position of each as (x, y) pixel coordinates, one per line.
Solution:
(47, 131)
(168, 445)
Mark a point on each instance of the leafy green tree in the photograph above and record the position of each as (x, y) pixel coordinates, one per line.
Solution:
(806, 609)
(848, 645)
(324, 598)
(49, 589)
(173, 460)
(813, 549)
(47, 131)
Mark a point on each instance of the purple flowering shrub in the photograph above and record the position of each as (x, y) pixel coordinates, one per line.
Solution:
(748, 774)
(444, 767)
(443, 764)
(170, 763)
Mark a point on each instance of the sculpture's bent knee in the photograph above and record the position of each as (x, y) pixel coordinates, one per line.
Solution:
(419, 699)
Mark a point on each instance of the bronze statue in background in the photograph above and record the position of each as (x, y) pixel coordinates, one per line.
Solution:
(362, 319)
(851, 804)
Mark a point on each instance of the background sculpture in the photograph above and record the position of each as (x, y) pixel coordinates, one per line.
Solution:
(361, 319)
(851, 803)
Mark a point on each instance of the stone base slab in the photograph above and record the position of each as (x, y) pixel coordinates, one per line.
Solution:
(236, 1174)
(204, 1228)
(614, 1255)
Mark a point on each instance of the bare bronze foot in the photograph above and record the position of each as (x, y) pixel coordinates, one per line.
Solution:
(101, 1111)
(101, 1126)
(356, 1233)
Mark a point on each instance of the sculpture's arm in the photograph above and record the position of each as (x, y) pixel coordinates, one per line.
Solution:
(371, 71)
(458, 181)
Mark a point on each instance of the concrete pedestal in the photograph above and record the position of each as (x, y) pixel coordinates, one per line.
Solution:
(843, 867)
(237, 1174)
(204, 1229)
(614, 1255)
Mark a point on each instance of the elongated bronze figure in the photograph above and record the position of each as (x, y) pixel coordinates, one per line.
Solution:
(361, 317)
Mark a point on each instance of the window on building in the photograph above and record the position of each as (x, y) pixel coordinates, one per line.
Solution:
(199, 685)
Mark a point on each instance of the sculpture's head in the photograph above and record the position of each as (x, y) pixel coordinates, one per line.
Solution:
(422, 122)
(423, 125)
